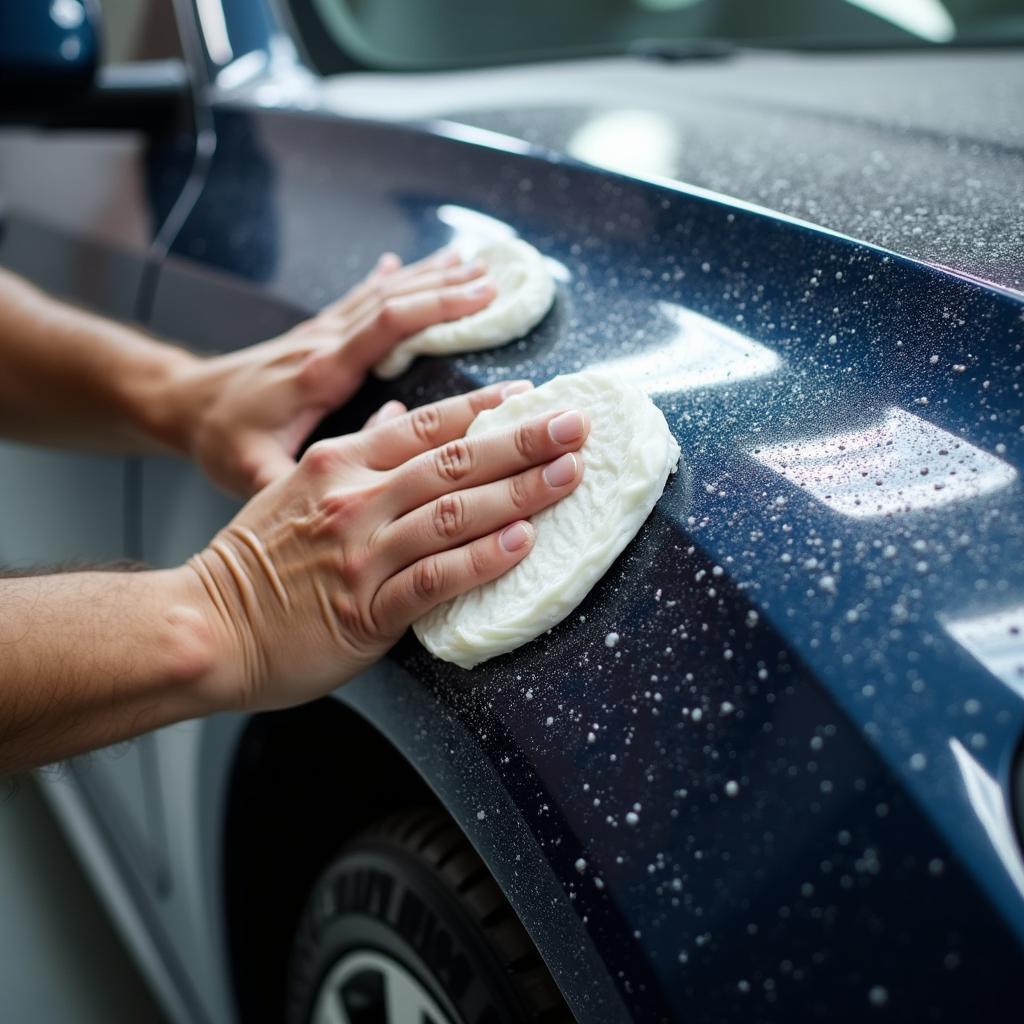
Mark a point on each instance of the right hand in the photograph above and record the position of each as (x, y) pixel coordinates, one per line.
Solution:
(321, 573)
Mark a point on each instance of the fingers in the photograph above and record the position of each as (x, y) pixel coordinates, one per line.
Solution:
(461, 516)
(407, 283)
(389, 267)
(388, 411)
(469, 462)
(405, 597)
(388, 263)
(424, 428)
(397, 317)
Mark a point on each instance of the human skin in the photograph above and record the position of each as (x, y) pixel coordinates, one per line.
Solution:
(320, 573)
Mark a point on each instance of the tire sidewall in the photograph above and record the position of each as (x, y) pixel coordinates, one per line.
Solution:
(377, 898)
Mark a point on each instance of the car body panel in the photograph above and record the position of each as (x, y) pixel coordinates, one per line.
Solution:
(918, 152)
(846, 643)
(652, 279)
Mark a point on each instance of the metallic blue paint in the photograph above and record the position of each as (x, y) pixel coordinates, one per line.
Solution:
(856, 675)
(867, 855)
(46, 44)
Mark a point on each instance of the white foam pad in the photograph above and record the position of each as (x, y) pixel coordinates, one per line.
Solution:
(627, 458)
(525, 289)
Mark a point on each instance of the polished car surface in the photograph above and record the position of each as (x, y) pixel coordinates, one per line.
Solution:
(765, 771)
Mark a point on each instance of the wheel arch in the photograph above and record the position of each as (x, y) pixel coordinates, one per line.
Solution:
(402, 747)
(286, 773)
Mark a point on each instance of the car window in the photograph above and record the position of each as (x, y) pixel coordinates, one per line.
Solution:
(446, 33)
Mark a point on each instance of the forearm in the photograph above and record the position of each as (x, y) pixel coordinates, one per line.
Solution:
(89, 659)
(70, 378)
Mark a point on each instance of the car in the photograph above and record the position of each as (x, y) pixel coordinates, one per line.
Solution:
(770, 769)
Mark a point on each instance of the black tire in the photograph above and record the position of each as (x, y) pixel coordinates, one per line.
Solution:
(413, 890)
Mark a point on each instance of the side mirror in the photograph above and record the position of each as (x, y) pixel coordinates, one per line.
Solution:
(49, 54)
(50, 74)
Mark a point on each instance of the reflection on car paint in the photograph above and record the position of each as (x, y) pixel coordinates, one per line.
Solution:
(472, 230)
(996, 639)
(700, 353)
(986, 797)
(901, 463)
(630, 141)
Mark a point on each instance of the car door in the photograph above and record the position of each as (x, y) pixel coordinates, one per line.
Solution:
(81, 209)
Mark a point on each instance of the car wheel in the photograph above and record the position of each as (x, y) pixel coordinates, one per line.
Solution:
(407, 926)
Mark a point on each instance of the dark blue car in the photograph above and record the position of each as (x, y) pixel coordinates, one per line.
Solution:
(793, 789)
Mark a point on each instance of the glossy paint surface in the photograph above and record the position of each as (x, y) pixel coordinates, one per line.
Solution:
(45, 44)
(783, 792)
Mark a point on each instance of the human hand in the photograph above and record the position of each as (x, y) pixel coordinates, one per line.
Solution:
(243, 416)
(326, 568)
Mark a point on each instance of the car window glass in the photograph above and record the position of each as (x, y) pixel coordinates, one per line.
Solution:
(440, 33)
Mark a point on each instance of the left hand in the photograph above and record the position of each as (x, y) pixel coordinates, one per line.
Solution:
(243, 416)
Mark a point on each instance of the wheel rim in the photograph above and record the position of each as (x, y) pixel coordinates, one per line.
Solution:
(367, 986)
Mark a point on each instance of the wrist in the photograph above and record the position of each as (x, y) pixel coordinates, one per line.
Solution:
(198, 648)
(168, 398)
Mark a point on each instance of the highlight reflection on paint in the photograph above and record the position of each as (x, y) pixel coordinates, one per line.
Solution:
(989, 804)
(996, 640)
(901, 463)
(472, 230)
(630, 141)
(700, 353)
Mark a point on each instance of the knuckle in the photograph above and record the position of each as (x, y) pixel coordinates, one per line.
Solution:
(454, 460)
(426, 423)
(320, 458)
(449, 516)
(519, 493)
(347, 613)
(479, 563)
(356, 565)
(525, 441)
(349, 564)
(339, 508)
(427, 579)
(388, 316)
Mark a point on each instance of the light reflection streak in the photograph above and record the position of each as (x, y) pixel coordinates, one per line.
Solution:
(472, 231)
(215, 31)
(926, 19)
(243, 70)
(701, 353)
(902, 463)
(628, 141)
(480, 136)
(996, 640)
(989, 803)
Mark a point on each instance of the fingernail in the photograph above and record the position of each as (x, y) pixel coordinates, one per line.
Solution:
(560, 472)
(567, 427)
(482, 286)
(517, 387)
(515, 536)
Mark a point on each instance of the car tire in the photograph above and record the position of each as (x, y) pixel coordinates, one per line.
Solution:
(409, 916)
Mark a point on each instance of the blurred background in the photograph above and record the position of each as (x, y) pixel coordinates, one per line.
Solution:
(61, 962)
